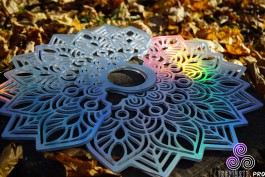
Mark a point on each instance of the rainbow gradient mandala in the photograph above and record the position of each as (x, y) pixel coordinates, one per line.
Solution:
(190, 98)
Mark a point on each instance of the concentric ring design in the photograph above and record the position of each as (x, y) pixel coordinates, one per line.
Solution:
(197, 101)
(190, 101)
(57, 95)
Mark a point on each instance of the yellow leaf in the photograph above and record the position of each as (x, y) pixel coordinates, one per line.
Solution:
(9, 158)
(77, 25)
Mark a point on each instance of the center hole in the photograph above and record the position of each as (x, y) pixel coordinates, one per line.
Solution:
(126, 77)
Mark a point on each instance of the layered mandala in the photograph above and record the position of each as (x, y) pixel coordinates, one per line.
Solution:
(57, 95)
(189, 100)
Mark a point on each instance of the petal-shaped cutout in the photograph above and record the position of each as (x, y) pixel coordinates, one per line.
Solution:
(68, 130)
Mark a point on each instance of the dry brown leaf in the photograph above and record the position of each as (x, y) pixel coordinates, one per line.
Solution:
(9, 6)
(90, 11)
(193, 26)
(124, 12)
(173, 27)
(245, 3)
(62, 2)
(29, 47)
(257, 78)
(29, 16)
(135, 7)
(140, 25)
(157, 23)
(67, 20)
(235, 61)
(3, 47)
(117, 3)
(237, 49)
(199, 5)
(214, 46)
(39, 16)
(64, 18)
(261, 65)
(209, 33)
(77, 152)
(176, 15)
(5, 64)
(79, 162)
(101, 3)
(108, 3)
(186, 31)
(214, 3)
(243, 61)
(163, 4)
(34, 34)
(228, 35)
(9, 158)
(250, 60)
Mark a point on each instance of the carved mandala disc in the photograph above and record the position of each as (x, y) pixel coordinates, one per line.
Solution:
(189, 98)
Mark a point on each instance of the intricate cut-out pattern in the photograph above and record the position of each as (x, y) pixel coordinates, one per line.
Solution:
(197, 101)
(190, 101)
(57, 95)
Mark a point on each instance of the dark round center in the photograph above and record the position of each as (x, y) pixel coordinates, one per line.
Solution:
(126, 77)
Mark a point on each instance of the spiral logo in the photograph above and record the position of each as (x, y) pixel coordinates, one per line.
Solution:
(233, 163)
(248, 162)
(240, 149)
(240, 159)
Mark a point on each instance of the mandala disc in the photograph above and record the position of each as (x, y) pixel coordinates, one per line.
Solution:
(182, 100)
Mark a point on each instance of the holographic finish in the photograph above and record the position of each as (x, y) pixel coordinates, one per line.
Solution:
(57, 95)
(190, 101)
(197, 101)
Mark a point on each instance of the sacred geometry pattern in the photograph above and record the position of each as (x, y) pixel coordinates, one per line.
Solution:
(57, 95)
(190, 98)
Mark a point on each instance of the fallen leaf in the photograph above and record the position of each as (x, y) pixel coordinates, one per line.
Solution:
(193, 26)
(235, 61)
(163, 4)
(186, 31)
(5, 64)
(140, 25)
(199, 5)
(29, 47)
(79, 162)
(214, 46)
(77, 152)
(123, 12)
(9, 6)
(3, 47)
(256, 77)
(250, 60)
(77, 25)
(9, 158)
(176, 14)
(237, 49)
(209, 32)
(135, 7)
(65, 18)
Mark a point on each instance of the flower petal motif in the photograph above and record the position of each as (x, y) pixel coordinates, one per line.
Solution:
(197, 101)
(57, 95)
(190, 101)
